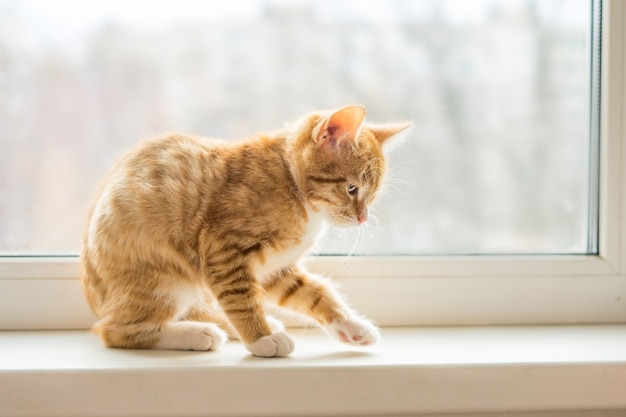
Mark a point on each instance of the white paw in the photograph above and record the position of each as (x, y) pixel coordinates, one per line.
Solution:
(276, 344)
(354, 331)
(191, 335)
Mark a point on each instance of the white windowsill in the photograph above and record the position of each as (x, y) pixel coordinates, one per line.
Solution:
(412, 371)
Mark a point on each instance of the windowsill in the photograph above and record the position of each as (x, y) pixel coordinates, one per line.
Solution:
(412, 371)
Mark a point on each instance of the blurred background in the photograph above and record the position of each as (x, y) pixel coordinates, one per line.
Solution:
(498, 91)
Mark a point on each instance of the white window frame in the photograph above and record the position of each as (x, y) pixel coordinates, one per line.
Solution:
(44, 293)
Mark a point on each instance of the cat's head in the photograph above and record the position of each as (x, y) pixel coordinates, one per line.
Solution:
(341, 162)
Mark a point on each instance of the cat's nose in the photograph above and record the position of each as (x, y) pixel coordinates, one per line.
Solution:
(362, 218)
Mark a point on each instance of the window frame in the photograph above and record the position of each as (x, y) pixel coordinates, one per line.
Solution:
(44, 292)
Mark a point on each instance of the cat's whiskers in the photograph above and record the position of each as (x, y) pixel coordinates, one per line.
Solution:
(401, 164)
(361, 235)
(392, 180)
(397, 184)
(348, 259)
(373, 221)
(356, 245)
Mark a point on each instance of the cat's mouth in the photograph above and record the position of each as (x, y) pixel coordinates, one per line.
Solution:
(347, 220)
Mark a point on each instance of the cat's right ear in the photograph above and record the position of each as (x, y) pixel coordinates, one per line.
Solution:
(340, 128)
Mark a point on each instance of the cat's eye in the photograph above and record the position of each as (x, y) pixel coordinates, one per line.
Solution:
(353, 190)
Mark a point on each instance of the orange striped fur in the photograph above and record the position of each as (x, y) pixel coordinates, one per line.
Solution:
(188, 236)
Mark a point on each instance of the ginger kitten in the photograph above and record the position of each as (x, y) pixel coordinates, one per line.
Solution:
(189, 236)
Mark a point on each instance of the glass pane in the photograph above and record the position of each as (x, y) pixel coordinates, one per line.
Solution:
(498, 90)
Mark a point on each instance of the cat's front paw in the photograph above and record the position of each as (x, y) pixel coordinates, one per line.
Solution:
(274, 345)
(354, 331)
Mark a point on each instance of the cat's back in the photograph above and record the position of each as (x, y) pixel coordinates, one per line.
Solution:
(166, 161)
(156, 188)
(171, 186)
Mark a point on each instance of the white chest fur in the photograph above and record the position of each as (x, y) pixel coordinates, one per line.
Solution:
(274, 260)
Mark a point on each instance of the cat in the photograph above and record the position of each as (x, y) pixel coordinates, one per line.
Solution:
(188, 236)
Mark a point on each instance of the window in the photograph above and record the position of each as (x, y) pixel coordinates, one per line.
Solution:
(502, 159)
(498, 92)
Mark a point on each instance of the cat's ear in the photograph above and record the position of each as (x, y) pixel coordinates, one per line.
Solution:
(385, 131)
(343, 126)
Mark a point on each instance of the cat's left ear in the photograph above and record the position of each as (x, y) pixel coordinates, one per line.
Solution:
(385, 131)
(341, 127)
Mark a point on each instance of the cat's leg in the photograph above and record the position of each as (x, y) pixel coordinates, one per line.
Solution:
(241, 300)
(221, 320)
(211, 312)
(175, 335)
(316, 297)
(206, 314)
(138, 318)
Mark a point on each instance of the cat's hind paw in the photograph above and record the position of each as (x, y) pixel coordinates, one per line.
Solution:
(354, 331)
(273, 345)
(191, 335)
